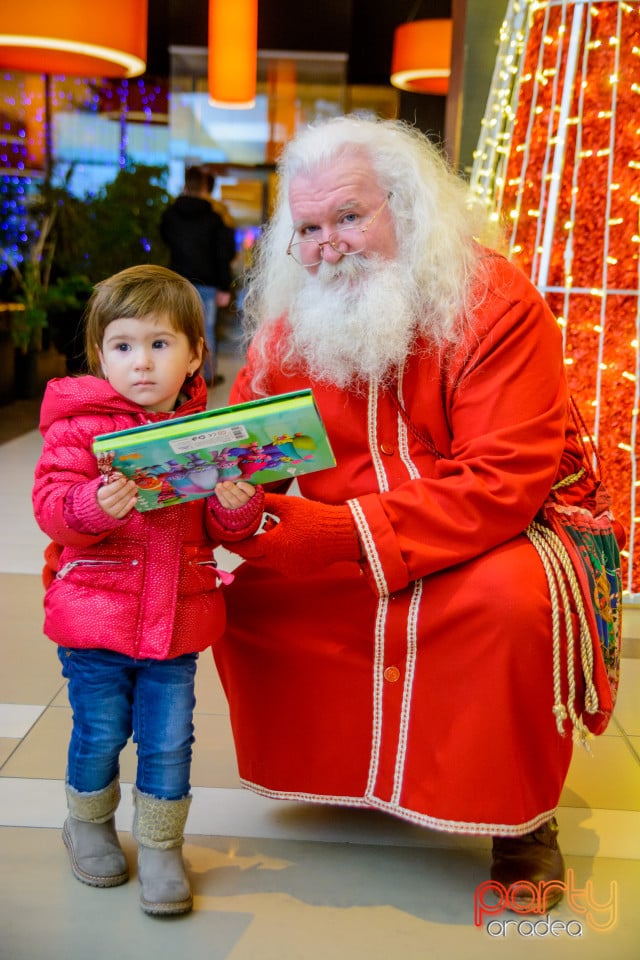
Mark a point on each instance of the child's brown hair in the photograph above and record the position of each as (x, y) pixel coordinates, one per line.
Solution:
(139, 292)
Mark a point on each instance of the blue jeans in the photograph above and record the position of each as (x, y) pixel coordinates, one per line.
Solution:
(208, 297)
(113, 696)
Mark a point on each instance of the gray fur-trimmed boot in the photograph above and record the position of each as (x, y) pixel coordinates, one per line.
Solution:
(158, 826)
(89, 834)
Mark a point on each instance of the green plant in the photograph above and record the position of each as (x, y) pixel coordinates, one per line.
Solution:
(125, 221)
(55, 256)
(78, 242)
(32, 280)
(68, 293)
(71, 227)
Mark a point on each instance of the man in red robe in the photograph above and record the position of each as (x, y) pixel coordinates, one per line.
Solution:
(390, 638)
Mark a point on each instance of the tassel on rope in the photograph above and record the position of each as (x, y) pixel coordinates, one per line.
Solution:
(560, 575)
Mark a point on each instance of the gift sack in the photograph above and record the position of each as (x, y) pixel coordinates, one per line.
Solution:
(579, 545)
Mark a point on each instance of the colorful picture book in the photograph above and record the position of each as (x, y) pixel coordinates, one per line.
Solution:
(260, 441)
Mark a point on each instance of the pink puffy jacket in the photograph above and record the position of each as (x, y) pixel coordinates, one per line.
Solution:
(146, 586)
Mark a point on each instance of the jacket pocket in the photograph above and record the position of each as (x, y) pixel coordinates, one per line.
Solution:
(95, 601)
(94, 564)
(115, 573)
(199, 571)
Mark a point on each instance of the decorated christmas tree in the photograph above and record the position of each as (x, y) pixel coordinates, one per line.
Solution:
(559, 161)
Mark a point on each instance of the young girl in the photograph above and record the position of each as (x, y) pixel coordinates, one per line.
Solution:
(131, 597)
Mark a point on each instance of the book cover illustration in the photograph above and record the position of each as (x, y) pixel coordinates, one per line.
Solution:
(177, 460)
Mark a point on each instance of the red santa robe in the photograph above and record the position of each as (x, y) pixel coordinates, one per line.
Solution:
(419, 683)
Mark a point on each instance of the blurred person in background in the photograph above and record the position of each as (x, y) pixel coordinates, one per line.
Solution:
(201, 247)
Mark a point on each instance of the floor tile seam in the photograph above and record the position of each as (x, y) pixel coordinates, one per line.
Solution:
(233, 812)
(192, 838)
(11, 753)
(43, 707)
(628, 738)
(52, 705)
(622, 734)
(21, 739)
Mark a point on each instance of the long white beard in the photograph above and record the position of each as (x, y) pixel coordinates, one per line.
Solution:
(354, 320)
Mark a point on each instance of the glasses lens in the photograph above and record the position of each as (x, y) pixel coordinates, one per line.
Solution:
(345, 242)
(306, 253)
(348, 241)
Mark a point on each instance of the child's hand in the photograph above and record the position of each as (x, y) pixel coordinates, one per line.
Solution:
(117, 496)
(233, 495)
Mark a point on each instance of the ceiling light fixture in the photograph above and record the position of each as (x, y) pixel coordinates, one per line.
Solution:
(75, 37)
(233, 53)
(421, 58)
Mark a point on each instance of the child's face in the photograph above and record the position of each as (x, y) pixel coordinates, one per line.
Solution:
(147, 360)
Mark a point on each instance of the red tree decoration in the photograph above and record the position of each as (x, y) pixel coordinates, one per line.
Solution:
(559, 160)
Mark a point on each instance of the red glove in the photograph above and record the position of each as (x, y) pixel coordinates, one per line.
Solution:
(308, 536)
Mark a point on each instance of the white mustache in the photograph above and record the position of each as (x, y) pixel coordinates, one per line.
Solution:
(353, 267)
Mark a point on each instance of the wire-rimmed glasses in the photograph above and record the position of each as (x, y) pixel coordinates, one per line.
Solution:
(346, 241)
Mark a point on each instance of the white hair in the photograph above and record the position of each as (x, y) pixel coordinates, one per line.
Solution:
(437, 224)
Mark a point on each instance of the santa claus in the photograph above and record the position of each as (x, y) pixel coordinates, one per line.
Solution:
(389, 640)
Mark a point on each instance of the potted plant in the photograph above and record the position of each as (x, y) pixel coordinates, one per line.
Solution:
(32, 280)
(77, 242)
(50, 287)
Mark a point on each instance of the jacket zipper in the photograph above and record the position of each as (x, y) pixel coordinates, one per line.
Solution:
(63, 571)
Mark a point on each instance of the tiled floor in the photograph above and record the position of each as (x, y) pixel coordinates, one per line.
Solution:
(278, 881)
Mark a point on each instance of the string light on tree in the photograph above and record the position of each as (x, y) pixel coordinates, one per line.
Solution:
(557, 161)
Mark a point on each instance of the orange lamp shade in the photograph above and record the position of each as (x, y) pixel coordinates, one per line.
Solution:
(233, 53)
(76, 37)
(421, 58)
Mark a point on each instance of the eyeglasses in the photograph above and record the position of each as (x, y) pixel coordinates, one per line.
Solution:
(346, 241)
